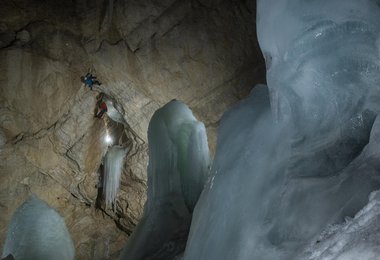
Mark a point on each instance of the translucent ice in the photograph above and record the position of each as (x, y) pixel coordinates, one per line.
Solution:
(113, 167)
(178, 164)
(38, 232)
(357, 238)
(322, 60)
(114, 112)
(296, 156)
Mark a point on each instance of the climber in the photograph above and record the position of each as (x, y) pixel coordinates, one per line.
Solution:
(102, 108)
(89, 80)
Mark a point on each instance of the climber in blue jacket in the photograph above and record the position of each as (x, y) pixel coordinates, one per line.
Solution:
(89, 80)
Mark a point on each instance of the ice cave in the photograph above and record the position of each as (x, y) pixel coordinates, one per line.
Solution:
(190, 130)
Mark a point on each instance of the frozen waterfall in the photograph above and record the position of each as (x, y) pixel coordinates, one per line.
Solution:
(113, 167)
(38, 232)
(178, 164)
(303, 152)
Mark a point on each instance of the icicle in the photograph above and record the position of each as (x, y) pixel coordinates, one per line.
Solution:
(113, 166)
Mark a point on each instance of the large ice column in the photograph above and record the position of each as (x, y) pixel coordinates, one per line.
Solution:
(229, 219)
(295, 158)
(113, 167)
(38, 232)
(178, 165)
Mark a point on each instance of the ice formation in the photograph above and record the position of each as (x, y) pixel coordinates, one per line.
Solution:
(113, 112)
(38, 232)
(357, 238)
(178, 165)
(303, 153)
(113, 167)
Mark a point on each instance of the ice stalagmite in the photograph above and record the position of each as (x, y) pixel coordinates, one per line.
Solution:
(178, 164)
(113, 167)
(38, 232)
(296, 156)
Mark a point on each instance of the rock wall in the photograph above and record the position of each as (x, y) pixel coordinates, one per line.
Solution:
(145, 53)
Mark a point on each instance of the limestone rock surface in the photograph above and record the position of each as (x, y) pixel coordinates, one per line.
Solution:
(145, 53)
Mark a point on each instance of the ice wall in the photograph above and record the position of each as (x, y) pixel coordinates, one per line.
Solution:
(296, 156)
(356, 238)
(322, 60)
(38, 232)
(113, 167)
(178, 165)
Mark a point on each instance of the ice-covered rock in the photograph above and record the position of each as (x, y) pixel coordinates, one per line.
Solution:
(178, 164)
(38, 232)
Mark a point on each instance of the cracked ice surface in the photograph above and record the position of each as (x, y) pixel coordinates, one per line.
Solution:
(303, 153)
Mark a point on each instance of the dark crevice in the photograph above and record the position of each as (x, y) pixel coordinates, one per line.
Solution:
(198, 4)
(169, 10)
(69, 150)
(115, 43)
(10, 44)
(18, 138)
(37, 135)
(75, 196)
(171, 28)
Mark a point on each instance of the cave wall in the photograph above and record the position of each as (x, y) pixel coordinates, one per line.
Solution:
(145, 53)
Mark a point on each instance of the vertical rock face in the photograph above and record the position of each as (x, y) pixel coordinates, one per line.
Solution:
(145, 53)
